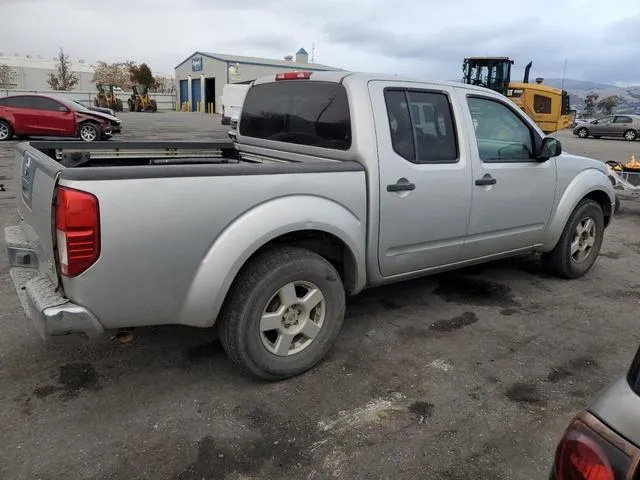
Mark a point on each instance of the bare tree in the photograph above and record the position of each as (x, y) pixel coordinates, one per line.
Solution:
(64, 78)
(8, 77)
(164, 84)
(116, 74)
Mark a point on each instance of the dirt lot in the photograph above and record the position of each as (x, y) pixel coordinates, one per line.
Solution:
(472, 375)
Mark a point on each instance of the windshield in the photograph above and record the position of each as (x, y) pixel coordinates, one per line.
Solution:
(72, 104)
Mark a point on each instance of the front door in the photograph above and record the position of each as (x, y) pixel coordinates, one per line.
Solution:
(513, 193)
(602, 127)
(424, 177)
(52, 117)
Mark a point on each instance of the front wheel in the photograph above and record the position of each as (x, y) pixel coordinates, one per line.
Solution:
(89, 132)
(283, 314)
(583, 133)
(580, 242)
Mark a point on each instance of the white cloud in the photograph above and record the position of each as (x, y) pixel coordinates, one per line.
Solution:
(419, 38)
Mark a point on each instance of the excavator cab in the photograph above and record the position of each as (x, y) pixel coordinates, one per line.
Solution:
(489, 72)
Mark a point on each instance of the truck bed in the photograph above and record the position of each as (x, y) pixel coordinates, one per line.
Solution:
(171, 228)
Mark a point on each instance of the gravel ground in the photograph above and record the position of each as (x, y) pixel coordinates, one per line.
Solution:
(469, 375)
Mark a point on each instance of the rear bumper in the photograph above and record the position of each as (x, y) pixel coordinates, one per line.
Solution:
(51, 313)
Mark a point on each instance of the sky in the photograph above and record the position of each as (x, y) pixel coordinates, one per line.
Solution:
(418, 38)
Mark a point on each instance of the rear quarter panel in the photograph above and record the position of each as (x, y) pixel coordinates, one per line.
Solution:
(170, 247)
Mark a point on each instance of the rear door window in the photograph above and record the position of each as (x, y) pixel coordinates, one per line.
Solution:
(16, 102)
(42, 103)
(298, 111)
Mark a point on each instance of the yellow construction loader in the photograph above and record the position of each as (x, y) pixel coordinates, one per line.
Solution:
(106, 98)
(141, 102)
(547, 106)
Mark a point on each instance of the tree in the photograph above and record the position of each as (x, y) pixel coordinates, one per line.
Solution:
(590, 104)
(64, 78)
(8, 77)
(141, 74)
(163, 84)
(116, 74)
(607, 104)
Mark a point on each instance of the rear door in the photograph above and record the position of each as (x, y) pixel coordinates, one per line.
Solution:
(621, 123)
(53, 118)
(424, 175)
(19, 107)
(513, 194)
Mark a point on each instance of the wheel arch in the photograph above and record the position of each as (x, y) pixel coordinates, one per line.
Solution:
(592, 184)
(336, 234)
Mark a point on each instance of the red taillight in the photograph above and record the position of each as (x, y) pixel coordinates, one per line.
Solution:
(77, 230)
(293, 76)
(583, 454)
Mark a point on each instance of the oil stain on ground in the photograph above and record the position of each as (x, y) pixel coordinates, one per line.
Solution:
(571, 368)
(472, 291)
(421, 410)
(455, 323)
(525, 393)
(278, 448)
(72, 379)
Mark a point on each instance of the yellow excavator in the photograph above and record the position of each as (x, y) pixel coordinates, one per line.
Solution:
(547, 106)
(140, 100)
(106, 98)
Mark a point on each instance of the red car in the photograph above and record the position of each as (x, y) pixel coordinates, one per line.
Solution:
(52, 116)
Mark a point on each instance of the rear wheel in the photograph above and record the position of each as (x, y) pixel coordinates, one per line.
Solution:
(579, 244)
(630, 135)
(6, 132)
(283, 314)
(583, 133)
(89, 132)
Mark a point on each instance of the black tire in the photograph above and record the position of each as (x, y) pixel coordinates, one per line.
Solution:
(89, 132)
(6, 131)
(630, 135)
(559, 261)
(154, 106)
(583, 133)
(256, 288)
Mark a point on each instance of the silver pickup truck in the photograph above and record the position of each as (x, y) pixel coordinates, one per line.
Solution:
(336, 182)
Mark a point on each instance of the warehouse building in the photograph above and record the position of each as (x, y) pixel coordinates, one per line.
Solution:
(32, 72)
(200, 77)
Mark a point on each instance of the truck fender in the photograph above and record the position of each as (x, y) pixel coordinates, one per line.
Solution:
(584, 184)
(255, 228)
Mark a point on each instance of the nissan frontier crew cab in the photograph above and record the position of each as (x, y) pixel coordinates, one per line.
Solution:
(337, 182)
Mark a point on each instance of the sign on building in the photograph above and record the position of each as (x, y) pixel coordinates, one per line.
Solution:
(196, 64)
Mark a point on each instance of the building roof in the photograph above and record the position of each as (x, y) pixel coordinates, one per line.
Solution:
(302, 51)
(268, 62)
(44, 63)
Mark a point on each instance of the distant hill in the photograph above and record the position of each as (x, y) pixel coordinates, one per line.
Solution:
(579, 89)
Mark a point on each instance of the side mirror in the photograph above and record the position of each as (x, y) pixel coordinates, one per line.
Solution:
(551, 147)
(595, 122)
(63, 110)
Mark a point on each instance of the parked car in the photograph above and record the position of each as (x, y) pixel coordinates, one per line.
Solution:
(622, 126)
(603, 441)
(232, 98)
(53, 116)
(333, 186)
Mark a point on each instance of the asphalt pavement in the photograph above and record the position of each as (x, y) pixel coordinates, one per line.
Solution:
(468, 375)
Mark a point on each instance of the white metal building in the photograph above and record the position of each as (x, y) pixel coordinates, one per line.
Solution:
(201, 76)
(32, 73)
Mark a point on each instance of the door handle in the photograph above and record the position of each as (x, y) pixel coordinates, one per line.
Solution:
(401, 187)
(486, 180)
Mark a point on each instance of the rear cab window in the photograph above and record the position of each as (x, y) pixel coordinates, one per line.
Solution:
(21, 101)
(302, 112)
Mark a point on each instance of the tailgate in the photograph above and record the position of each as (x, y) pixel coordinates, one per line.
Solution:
(36, 175)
